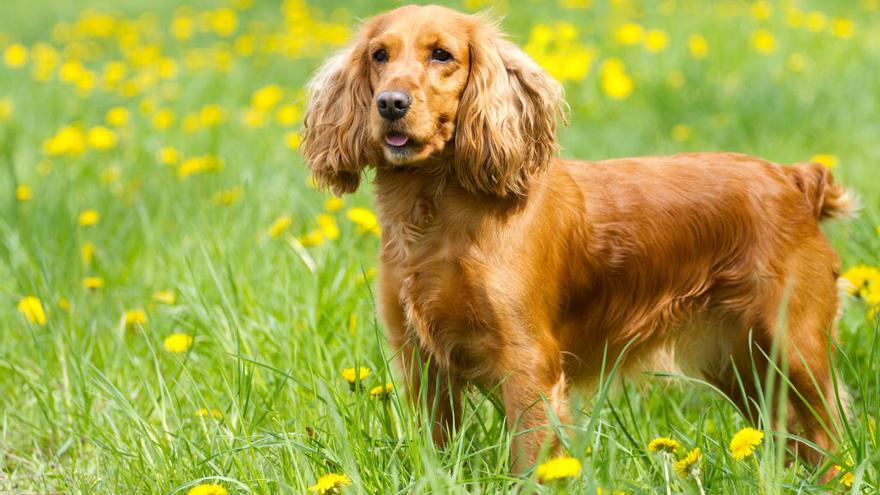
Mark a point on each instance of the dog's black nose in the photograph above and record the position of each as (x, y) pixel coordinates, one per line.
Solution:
(393, 104)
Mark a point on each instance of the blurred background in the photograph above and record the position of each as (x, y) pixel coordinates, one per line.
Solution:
(165, 256)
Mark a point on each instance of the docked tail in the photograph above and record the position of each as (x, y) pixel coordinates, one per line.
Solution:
(827, 199)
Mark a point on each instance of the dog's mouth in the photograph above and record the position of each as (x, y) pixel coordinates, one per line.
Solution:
(402, 147)
(396, 140)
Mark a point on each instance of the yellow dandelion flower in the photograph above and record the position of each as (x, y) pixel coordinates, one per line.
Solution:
(698, 46)
(71, 71)
(762, 10)
(93, 283)
(575, 4)
(328, 226)
(265, 98)
(163, 119)
(167, 156)
(815, 21)
(15, 55)
(31, 308)
(207, 489)
(558, 468)
(312, 238)
(101, 138)
(244, 45)
(382, 392)
(825, 159)
(292, 140)
(847, 478)
(860, 277)
(363, 218)
(23, 193)
(64, 304)
(656, 40)
(89, 218)
(227, 197)
(214, 413)
(87, 252)
(117, 116)
(165, 296)
(629, 33)
(664, 444)
(198, 165)
(178, 343)
(167, 68)
(688, 463)
(540, 38)
(330, 483)
(224, 22)
(333, 204)
(843, 28)
(211, 115)
(288, 115)
(147, 106)
(134, 317)
(682, 132)
(190, 123)
(764, 42)
(114, 72)
(794, 17)
(615, 82)
(6, 108)
(253, 117)
(600, 491)
(70, 140)
(744, 442)
(352, 375)
(278, 227)
(182, 28)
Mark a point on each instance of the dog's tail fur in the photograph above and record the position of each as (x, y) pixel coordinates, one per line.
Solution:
(826, 198)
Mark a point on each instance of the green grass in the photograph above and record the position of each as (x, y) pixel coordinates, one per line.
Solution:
(88, 406)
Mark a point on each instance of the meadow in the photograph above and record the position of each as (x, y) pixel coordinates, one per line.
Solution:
(178, 302)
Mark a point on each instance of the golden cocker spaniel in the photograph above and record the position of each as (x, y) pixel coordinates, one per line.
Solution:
(503, 264)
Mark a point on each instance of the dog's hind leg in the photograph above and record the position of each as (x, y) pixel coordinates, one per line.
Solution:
(535, 397)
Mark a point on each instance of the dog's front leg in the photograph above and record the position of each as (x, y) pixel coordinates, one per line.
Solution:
(533, 395)
(433, 390)
(427, 385)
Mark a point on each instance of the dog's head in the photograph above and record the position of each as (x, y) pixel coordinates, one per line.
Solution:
(421, 86)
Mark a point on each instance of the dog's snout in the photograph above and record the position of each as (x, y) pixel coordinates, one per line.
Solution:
(393, 105)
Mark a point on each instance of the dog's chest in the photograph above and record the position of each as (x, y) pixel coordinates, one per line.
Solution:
(451, 315)
(446, 299)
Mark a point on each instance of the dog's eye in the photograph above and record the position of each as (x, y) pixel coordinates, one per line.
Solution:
(380, 56)
(441, 55)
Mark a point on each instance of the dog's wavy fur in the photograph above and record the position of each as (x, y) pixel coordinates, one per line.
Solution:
(504, 264)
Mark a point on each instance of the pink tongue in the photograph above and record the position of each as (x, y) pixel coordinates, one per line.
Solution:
(396, 139)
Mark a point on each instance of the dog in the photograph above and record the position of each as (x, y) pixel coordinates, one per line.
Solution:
(502, 264)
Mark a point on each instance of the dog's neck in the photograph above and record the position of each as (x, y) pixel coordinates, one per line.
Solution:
(413, 195)
(411, 201)
(409, 195)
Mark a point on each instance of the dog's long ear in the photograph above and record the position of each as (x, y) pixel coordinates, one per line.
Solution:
(335, 126)
(506, 121)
